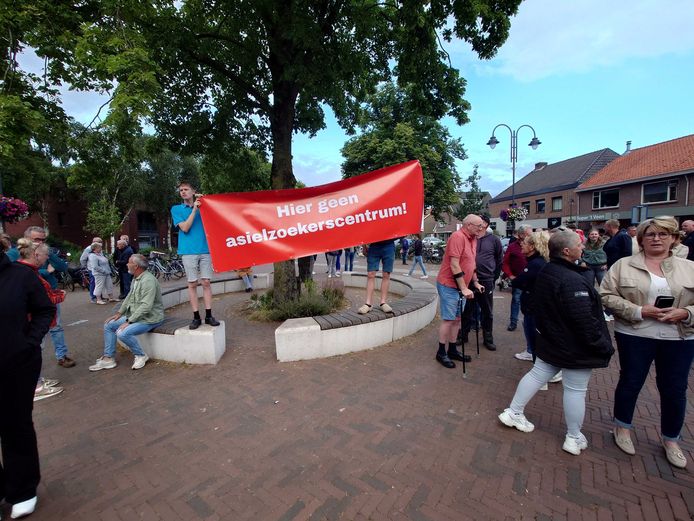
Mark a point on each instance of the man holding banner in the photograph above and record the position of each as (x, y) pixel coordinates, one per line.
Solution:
(192, 246)
(458, 270)
(382, 252)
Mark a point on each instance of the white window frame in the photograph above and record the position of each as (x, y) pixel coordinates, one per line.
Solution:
(559, 198)
(544, 202)
(601, 192)
(669, 182)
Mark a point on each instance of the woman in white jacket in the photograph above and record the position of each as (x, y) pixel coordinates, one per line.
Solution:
(101, 270)
(651, 295)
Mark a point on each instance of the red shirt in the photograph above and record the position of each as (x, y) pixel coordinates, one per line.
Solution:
(462, 246)
(514, 261)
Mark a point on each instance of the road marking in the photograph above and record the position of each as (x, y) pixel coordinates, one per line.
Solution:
(77, 323)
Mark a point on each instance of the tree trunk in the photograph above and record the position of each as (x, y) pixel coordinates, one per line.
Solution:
(286, 287)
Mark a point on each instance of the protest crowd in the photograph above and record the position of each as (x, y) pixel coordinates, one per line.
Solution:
(565, 288)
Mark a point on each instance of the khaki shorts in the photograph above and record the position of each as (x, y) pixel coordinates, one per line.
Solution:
(197, 266)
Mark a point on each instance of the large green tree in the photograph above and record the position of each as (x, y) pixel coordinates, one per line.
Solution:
(33, 126)
(261, 70)
(471, 201)
(397, 129)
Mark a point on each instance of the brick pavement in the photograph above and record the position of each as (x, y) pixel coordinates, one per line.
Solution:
(386, 434)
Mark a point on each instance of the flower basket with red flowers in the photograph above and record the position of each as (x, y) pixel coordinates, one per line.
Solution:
(13, 210)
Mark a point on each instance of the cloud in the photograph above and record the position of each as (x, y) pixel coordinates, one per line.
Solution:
(551, 38)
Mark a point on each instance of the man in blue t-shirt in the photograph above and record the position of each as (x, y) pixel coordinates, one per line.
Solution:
(192, 247)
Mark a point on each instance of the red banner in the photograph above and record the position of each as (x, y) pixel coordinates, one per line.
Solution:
(250, 228)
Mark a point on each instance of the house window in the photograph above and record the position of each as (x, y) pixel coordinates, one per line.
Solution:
(526, 205)
(540, 205)
(557, 204)
(605, 199)
(661, 192)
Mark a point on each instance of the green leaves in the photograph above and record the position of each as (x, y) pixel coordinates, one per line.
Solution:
(398, 131)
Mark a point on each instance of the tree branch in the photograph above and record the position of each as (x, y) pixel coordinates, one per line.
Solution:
(260, 101)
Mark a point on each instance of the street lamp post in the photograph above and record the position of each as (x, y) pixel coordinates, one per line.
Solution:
(534, 143)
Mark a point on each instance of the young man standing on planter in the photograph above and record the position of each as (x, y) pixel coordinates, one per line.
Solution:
(192, 247)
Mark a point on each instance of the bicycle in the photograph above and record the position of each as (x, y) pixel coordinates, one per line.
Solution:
(166, 269)
(65, 281)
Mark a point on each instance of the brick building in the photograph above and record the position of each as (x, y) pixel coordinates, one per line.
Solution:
(644, 182)
(548, 192)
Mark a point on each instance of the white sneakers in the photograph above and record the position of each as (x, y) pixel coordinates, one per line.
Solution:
(103, 363)
(110, 363)
(140, 361)
(517, 420)
(575, 445)
(572, 445)
(525, 356)
(24, 508)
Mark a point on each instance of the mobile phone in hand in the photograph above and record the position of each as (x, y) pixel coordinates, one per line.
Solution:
(664, 302)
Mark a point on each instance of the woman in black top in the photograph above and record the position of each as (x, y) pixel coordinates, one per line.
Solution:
(25, 316)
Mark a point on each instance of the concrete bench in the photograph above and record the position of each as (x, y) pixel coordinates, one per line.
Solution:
(347, 331)
(173, 341)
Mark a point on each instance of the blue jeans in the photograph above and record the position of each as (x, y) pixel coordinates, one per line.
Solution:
(515, 305)
(673, 359)
(58, 335)
(349, 261)
(418, 260)
(127, 336)
(530, 333)
(92, 285)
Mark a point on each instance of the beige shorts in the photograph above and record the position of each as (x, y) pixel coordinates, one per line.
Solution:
(197, 266)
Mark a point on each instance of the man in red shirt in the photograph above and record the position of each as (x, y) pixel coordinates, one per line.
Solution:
(513, 264)
(456, 273)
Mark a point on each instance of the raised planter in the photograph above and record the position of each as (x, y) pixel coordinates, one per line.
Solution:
(348, 332)
(174, 342)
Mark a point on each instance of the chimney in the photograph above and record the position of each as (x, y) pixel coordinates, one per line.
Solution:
(540, 166)
(628, 148)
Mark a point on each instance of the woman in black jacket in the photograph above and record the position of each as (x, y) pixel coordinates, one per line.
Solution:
(571, 336)
(535, 248)
(25, 315)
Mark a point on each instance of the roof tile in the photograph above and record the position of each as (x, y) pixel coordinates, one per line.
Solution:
(670, 157)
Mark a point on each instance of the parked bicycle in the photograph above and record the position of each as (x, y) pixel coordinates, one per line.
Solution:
(161, 267)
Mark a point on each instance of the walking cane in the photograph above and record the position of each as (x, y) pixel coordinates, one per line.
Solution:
(477, 325)
(462, 345)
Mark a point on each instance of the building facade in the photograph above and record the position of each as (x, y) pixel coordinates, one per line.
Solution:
(548, 192)
(645, 182)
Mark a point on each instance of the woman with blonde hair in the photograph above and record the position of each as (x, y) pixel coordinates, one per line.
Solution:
(534, 247)
(34, 255)
(101, 269)
(651, 295)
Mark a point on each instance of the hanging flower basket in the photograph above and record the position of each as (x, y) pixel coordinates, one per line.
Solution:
(513, 214)
(13, 210)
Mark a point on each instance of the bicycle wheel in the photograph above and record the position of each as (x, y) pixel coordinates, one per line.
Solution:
(178, 270)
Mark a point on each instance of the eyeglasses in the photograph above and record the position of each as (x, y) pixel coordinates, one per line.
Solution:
(38, 239)
(653, 235)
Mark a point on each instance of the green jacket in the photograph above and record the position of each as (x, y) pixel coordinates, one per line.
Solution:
(143, 303)
(594, 255)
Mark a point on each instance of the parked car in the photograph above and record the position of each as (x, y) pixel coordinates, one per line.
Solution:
(432, 241)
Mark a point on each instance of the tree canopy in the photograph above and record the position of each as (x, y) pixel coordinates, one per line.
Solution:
(260, 70)
(395, 132)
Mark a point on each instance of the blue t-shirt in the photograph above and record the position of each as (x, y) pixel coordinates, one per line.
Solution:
(192, 242)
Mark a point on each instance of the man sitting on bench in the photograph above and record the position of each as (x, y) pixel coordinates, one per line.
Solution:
(141, 311)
